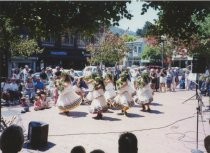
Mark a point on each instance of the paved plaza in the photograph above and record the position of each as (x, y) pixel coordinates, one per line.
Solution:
(169, 128)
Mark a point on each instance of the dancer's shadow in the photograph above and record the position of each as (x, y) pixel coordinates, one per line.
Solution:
(106, 118)
(45, 148)
(76, 114)
(156, 104)
(132, 115)
(155, 112)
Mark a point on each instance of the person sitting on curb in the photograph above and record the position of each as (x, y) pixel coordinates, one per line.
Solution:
(78, 149)
(41, 101)
(127, 143)
(12, 139)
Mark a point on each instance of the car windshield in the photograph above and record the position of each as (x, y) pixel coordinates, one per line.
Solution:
(80, 73)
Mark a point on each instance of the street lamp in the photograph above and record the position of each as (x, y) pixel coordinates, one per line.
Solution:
(163, 39)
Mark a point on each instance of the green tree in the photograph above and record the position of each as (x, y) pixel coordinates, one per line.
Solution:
(148, 26)
(152, 53)
(178, 19)
(185, 22)
(42, 17)
(129, 38)
(24, 47)
(201, 44)
(139, 32)
(110, 49)
(39, 18)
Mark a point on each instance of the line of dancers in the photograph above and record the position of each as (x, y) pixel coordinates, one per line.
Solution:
(100, 93)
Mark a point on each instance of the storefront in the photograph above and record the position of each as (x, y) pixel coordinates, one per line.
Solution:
(66, 58)
(18, 62)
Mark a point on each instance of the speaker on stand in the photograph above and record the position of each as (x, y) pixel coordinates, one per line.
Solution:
(38, 134)
(199, 64)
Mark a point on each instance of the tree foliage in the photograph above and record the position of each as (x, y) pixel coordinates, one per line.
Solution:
(148, 26)
(24, 47)
(44, 16)
(152, 53)
(129, 38)
(178, 19)
(39, 18)
(110, 49)
(154, 50)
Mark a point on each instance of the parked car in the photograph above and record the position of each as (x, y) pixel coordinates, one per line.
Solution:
(88, 70)
(78, 73)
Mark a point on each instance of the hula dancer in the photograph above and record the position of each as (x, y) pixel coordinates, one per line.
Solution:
(110, 89)
(131, 89)
(98, 104)
(67, 99)
(144, 92)
(123, 98)
(89, 80)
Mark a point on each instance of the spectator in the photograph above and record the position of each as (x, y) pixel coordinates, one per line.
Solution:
(12, 139)
(5, 88)
(57, 72)
(162, 81)
(39, 85)
(41, 101)
(43, 76)
(78, 149)
(128, 143)
(207, 143)
(30, 89)
(25, 73)
(49, 73)
(15, 94)
(97, 151)
(153, 77)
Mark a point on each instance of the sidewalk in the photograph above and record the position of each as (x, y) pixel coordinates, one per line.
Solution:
(169, 128)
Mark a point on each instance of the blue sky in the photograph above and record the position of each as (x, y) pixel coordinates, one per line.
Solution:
(138, 20)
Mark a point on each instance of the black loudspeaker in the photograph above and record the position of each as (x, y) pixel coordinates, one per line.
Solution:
(199, 64)
(38, 134)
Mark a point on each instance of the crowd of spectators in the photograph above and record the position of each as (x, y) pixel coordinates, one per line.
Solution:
(25, 85)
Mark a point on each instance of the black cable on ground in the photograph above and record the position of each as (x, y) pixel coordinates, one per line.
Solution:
(114, 132)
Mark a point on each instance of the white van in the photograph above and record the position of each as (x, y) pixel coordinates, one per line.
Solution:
(88, 70)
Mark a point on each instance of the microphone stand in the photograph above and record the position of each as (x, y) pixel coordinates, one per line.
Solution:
(198, 109)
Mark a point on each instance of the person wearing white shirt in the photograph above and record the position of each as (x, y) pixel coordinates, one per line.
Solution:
(5, 90)
(15, 94)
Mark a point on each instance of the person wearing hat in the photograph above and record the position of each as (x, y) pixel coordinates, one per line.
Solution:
(67, 99)
(110, 89)
(123, 98)
(144, 92)
(98, 104)
(49, 72)
(89, 80)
